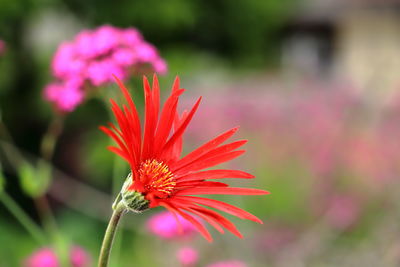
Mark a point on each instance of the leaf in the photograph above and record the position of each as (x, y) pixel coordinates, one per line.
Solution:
(35, 180)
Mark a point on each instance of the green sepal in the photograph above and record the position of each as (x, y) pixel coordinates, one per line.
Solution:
(134, 201)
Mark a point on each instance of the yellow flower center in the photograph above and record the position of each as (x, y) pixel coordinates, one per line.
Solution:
(156, 176)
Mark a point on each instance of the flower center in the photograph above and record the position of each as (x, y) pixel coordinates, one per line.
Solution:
(157, 177)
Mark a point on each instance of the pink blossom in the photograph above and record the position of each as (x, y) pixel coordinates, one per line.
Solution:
(79, 257)
(165, 225)
(160, 66)
(44, 257)
(105, 38)
(100, 72)
(343, 211)
(124, 56)
(146, 52)
(131, 37)
(65, 64)
(65, 96)
(232, 263)
(93, 57)
(188, 256)
(84, 45)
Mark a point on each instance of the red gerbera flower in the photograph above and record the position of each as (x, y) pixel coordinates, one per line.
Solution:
(160, 176)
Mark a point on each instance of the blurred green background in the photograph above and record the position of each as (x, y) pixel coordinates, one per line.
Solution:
(313, 84)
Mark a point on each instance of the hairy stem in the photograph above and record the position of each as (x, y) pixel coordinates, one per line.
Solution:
(105, 251)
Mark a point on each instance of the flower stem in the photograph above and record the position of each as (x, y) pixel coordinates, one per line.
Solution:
(23, 218)
(51, 136)
(119, 210)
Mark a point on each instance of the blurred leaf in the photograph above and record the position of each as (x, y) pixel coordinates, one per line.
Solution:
(34, 181)
(2, 181)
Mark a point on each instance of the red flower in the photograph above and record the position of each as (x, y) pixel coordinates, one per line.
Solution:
(161, 176)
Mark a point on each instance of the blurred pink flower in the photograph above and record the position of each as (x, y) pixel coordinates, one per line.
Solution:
(343, 211)
(46, 257)
(2, 47)
(79, 257)
(65, 96)
(232, 263)
(165, 225)
(275, 239)
(94, 56)
(188, 256)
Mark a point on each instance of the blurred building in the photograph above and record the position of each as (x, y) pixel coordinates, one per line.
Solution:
(355, 40)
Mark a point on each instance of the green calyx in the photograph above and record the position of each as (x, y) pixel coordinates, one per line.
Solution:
(132, 200)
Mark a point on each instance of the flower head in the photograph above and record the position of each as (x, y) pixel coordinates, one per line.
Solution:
(45, 257)
(79, 257)
(188, 256)
(167, 225)
(160, 176)
(92, 57)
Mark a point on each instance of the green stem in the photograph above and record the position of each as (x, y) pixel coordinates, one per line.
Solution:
(50, 138)
(23, 218)
(110, 233)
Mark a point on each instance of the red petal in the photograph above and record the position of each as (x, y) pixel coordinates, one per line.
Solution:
(204, 148)
(210, 162)
(221, 191)
(181, 185)
(188, 217)
(132, 106)
(182, 128)
(150, 121)
(208, 219)
(166, 120)
(225, 207)
(215, 174)
(220, 219)
(156, 95)
(215, 153)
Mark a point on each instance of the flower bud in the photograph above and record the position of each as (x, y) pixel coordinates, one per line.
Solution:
(133, 200)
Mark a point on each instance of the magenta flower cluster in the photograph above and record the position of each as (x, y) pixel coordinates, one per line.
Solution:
(46, 257)
(93, 57)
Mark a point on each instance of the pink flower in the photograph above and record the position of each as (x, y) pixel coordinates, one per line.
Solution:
(188, 256)
(100, 72)
(131, 37)
(65, 96)
(146, 52)
(124, 56)
(79, 257)
(165, 225)
(93, 57)
(233, 263)
(44, 257)
(83, 45)
(105, 38)
(160, 66)
(343, 211)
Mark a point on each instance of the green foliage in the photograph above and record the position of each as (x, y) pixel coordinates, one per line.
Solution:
(246, 30)
(2, 182)
(34, 180)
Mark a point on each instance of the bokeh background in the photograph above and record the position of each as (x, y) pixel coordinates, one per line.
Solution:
(314, 85)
